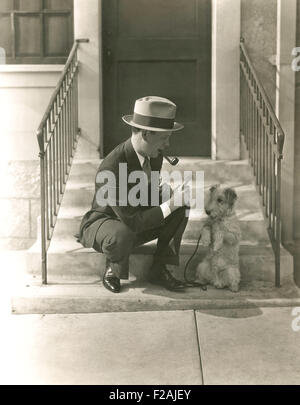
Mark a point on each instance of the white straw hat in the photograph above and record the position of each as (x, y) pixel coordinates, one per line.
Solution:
(154, 114)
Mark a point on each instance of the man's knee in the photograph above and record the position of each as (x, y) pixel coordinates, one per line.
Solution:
(120, 242)
(184, 211)
(181, 214)
(124, 236)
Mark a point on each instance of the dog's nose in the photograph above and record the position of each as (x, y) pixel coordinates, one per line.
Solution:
(208, 212)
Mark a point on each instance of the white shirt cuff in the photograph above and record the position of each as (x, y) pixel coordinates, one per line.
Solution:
(165, 209)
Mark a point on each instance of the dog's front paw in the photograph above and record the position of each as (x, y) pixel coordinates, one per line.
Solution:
(234, 288)
(206, 237)
(231, 238)
(205, 241)
(217, 241)
(217, 246)
(218, 284)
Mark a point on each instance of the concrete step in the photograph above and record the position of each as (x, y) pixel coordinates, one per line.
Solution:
(77, 271)
(218, 170)
(74, 273)
(253, 225)
(78, 197)
(69, 261)
(79, 193)
(143, 296)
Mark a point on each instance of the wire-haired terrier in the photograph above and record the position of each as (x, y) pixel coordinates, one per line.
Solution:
(221, 232)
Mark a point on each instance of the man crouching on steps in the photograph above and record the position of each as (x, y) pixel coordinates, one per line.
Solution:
(117, 227)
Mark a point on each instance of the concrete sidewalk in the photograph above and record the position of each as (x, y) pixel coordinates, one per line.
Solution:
(233, 346)
(254, 345)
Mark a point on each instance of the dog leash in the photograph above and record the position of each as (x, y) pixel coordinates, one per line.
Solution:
(191, 283)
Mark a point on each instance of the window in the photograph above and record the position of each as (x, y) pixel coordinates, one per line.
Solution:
(36, 31)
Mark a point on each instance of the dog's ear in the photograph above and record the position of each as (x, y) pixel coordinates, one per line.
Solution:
(231, 196)
(214, 187)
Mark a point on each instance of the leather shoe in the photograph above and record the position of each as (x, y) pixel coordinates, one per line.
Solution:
(111, 282)
(160, 275)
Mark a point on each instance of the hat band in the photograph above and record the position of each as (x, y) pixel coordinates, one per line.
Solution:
(155, 122)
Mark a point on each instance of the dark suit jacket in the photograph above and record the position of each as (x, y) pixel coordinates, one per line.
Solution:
(137, 218)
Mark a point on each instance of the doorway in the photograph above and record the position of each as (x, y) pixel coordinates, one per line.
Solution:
(162, 48)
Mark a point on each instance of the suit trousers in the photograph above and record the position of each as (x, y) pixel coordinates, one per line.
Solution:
(117, 241)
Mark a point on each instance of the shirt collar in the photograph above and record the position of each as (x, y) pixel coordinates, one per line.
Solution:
(140, 157)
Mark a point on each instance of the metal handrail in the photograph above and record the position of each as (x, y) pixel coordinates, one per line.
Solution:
(264, 138)
(57, 137)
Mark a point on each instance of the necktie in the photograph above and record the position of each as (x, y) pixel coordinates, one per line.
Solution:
(147, 168)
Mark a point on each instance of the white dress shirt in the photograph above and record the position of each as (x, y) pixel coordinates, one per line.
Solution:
(164, 206)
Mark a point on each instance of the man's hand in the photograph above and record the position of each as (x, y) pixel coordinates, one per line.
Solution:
(166, 192)
(180, 197)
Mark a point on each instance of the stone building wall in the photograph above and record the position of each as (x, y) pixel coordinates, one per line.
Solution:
(297, 141)
(258, 28)
(19, 204)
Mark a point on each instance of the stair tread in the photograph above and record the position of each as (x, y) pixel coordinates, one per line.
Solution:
(195, 213)
(79, 194)
(84, 182)
(71, 246)
(96, 290)
(182, 161)
(143, 296)
(77, 161)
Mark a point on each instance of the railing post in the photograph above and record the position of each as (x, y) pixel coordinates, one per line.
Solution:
(280, 142)
(40, 136)
(278, 226)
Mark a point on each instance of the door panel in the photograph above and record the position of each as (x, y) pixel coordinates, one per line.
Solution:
(163, 48)
(157, 18)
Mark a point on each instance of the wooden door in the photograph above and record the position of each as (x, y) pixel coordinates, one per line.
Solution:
(158, 48)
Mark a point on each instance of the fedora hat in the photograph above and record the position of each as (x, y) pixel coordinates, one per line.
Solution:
(154, 114)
